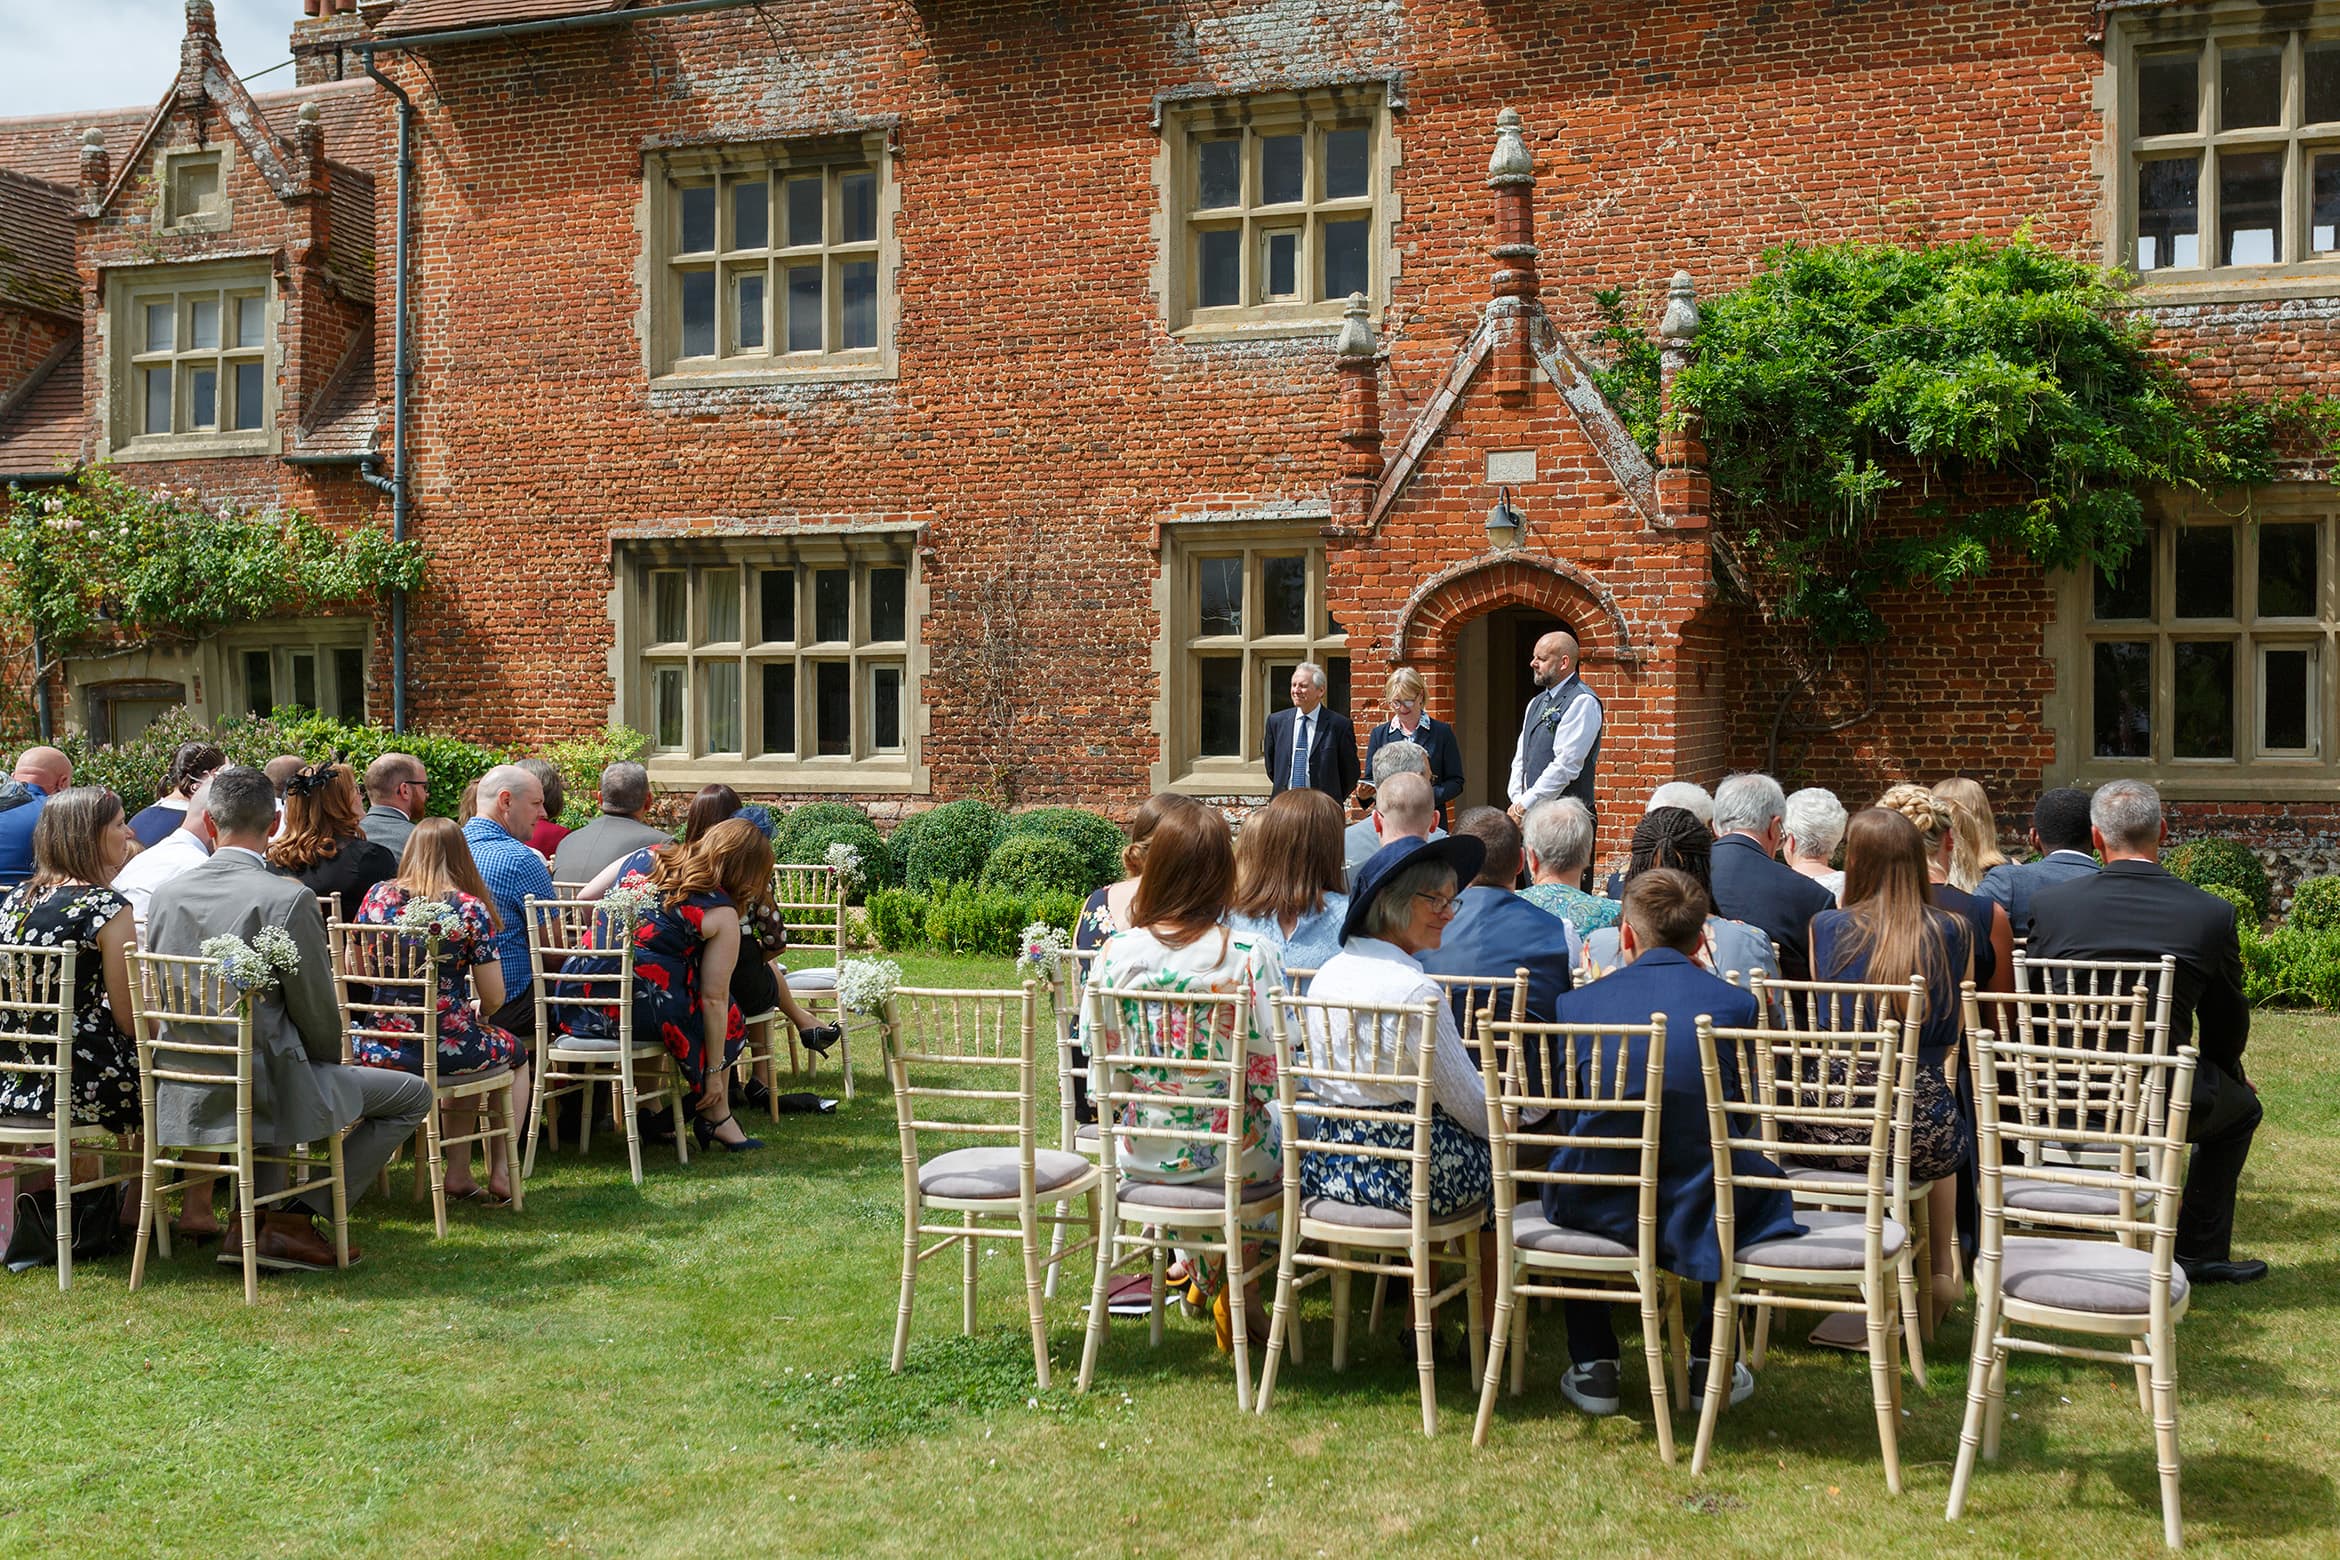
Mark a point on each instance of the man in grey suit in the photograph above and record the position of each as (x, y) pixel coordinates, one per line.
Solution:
(300, 1090)
(2059, 832)
(617, 833)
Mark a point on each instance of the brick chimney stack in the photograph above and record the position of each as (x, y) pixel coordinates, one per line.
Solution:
(1685, 498)
(96, 171)
(1511, 174)
(320, 39)
(1357, 359)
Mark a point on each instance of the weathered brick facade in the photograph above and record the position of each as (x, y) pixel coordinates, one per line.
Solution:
(1045, 430)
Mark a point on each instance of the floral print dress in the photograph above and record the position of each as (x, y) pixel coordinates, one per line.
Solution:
(105, 1061)
(467, 1042)
(668, 947)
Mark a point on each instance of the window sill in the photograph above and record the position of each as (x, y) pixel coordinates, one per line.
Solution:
(890, 776)
(1210, 333)
(197, 446)
(2210, 780)
(2236, 284)
(763, 374)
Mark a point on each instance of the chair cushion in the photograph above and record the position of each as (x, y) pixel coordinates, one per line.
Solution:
(1085, 1133)
(1192, 1194)
(1834, 1243)
(2023, 1193)
(2096, 1276)
(1531, 1231)
(1358, 1216)
(822, 979)
(602, 1044)
(991, 1172)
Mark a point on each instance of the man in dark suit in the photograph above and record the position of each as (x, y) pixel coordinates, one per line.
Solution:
(1751, 883)
(1664, 914)
(1310, 745)
(2059, 832)
(1495, 933)
(2134, 910)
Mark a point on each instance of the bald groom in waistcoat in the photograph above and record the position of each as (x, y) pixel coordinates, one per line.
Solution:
(1560, 735)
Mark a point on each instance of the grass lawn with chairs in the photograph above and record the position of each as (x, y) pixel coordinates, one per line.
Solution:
(699, 1368)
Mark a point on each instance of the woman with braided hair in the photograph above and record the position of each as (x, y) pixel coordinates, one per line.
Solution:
(1936, 820)
(1675, 837)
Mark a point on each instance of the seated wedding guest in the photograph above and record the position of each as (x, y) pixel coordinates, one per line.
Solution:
(1559, 843)
(686, 952)
(1402, 810)
(184, 849)
(191, 764)
(1937, 824)
(2060, 833)
(321, 847)
(301, 1092)
(1409, 721)
(2136, 910)
(1977, 832)
(712, 805)
(617, 833)
(1665, 919)
(510, 801)
(41, 772)
(79, 846)
(1176, 944)
(281, 769)
(1690, 798)
(1107, 911)
(548, 833)
(398, 792)
(1889, 930)
(1750, 884)
(1289, 890)
(1364, 837)
(1814, 821)
(1673, 837)
(1405, 900)
(1495, 932)
(437, 865)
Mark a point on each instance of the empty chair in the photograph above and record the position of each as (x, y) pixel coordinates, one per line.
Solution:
(581, 957)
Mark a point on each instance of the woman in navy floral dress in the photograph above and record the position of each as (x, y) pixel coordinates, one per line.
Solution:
(80, 842)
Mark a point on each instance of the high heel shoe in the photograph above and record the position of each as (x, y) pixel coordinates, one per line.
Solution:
(754, 1095)
(704, 1130)
(819, 1040)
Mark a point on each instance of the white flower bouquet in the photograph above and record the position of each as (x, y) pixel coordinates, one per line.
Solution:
(865, 986)
(435, 919)
(267, 960)
(629, 903)
(1043, 951)
(846, 861)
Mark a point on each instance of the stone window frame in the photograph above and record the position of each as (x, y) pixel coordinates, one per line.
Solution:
(2133, 38)
(2255, 771)
(171, 166)
(128, 294)
(1185, 122)
(668, 171)
(1266, 659)
(327, 645)
(645, 658)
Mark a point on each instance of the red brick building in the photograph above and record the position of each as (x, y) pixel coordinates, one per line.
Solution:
(906, 399)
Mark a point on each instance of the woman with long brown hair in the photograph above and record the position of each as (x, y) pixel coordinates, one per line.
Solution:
(1976, 829)
(322, 847)
(686, 952)
(1290, 886)
(437, 865)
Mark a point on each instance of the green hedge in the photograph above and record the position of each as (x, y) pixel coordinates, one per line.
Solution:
(963, 918)
(1098, 840)
(135, 769)
(811, 847)
(2205, 863)
(2315, 905)
(581, 761)
(2292, 967)
(1032, 864)
(950, 843)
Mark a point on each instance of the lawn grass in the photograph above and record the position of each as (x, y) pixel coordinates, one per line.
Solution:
(699, 1368)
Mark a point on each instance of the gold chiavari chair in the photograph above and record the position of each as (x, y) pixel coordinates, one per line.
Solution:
(1073, 1136)
(811, 900)
(36, 994)
(561, 933)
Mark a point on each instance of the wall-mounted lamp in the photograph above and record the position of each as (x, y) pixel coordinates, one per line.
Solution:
(1504, 523)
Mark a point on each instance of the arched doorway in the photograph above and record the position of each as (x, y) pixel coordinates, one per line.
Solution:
(1492, 684)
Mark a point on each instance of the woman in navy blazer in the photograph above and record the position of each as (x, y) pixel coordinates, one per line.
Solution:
(1408, 723)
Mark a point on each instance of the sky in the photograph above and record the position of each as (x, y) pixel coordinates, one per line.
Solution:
(60, 55)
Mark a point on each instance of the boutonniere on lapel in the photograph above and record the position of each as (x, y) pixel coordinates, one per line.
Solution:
(1551, 717)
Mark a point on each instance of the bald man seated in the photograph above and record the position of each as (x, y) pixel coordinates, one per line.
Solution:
(41, 772)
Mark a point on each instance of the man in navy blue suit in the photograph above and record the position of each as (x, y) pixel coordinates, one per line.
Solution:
(1495, 933)
(2059, 832)
(1309, 745)
(1665, 912)
(1751, 883)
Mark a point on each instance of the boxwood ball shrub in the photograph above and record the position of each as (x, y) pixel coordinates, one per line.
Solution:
(810, 847)
(1031, 864)
(808, 816)
(2315, 905)
(2207, 862)
(952, 843)
(1099, 840)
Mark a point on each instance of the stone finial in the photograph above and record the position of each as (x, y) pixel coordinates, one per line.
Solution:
(1511, 163)
(1680, 322)
(96, 167)
(1356, 330)
(310, 114)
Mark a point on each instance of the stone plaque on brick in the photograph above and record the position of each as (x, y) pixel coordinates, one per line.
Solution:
(1511, 465)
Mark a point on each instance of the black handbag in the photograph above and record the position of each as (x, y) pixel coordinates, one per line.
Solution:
(97, 1228)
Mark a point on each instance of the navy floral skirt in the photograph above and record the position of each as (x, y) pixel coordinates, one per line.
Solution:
(1460, 1173)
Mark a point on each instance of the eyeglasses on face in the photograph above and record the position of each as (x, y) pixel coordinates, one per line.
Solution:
(1440, 904)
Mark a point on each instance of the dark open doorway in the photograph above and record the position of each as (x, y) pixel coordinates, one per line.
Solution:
(1492, 685)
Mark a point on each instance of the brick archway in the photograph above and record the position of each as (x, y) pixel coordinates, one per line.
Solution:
(1446, 603)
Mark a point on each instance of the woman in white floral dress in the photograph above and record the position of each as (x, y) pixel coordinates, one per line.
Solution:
(81, 841)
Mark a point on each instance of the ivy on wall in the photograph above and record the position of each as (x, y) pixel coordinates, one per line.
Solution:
(104, 565)
(2012, 388)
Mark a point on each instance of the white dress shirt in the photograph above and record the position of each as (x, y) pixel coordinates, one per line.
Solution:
(1373, 973)
(1296, 775)
(1571, 742)
(176, 852)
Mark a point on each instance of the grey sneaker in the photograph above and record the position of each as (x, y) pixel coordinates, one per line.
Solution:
(1742, 1384)
(1592, 1388)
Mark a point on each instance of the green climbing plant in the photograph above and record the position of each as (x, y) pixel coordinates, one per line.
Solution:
(2007, 395)
(106, 564)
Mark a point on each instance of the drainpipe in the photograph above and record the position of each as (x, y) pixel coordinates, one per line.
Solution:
(400, 484)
